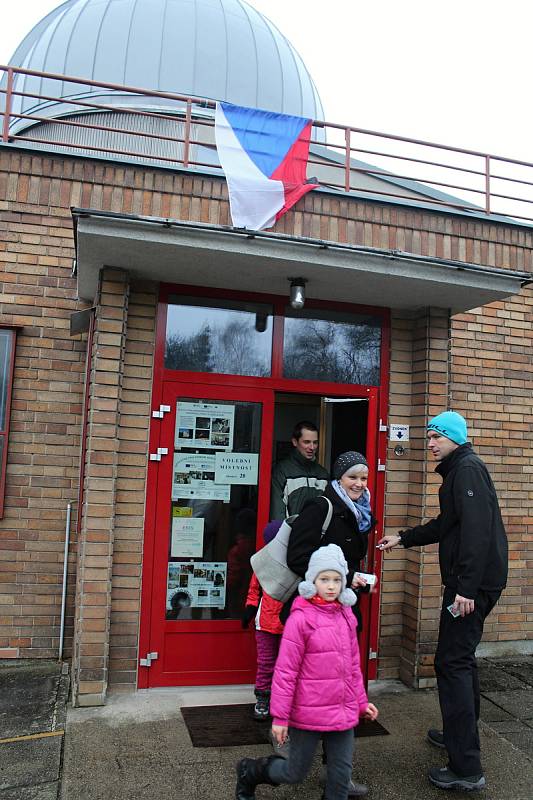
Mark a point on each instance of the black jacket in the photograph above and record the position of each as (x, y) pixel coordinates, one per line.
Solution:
(343, 530)
(469, 528)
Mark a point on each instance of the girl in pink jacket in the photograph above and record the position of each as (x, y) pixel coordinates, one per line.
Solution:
(318, 689)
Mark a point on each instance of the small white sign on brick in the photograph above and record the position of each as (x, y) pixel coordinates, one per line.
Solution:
(399, 433)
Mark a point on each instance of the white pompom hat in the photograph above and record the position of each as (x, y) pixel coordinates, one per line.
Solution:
(327, 558)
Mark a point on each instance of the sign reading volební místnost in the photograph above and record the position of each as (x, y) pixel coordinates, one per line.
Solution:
(236, 468)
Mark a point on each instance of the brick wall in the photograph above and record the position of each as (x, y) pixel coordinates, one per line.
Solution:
(130, 487)
(411, 579)
(37, 294)
(490, 370)
(97, 532)
(111, 535)
(480, 365)
(492, 382)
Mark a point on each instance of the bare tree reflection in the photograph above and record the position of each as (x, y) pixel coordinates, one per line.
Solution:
(189, 353)
(338, 352)
(314, 349)
(232, 348)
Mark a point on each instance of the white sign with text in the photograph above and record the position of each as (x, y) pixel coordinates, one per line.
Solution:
(399, 433)
(236, 468)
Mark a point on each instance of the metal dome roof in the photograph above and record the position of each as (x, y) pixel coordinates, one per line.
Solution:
(216, 49)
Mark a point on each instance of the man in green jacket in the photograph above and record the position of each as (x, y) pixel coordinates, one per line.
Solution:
(299, 477)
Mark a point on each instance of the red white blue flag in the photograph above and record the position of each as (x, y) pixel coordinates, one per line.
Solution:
(264, 157)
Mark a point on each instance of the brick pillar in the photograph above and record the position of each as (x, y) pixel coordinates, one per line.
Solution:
(429, 396)
(95, 553)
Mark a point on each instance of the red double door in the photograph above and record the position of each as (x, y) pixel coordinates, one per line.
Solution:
(208, 499)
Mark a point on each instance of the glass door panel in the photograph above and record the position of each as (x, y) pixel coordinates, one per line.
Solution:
(210, 492)
(213, 510)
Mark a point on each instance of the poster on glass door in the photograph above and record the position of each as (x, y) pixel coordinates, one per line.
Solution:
(198, 584)
(187, 539)
(204, 425)
(193, 477)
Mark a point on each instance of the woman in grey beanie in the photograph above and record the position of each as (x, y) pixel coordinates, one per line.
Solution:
(349, 528)
(350, 525)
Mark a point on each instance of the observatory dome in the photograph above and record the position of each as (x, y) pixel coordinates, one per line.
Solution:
(214, 49)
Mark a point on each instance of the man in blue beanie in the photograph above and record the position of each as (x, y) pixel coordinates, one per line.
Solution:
(473, 564)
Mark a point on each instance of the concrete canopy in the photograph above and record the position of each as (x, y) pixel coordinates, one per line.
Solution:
(214, 256)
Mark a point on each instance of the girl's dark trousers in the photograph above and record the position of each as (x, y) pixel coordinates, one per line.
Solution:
(338, 746)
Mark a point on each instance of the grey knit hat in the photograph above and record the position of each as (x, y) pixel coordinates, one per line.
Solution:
(346, 461)
(326, 558)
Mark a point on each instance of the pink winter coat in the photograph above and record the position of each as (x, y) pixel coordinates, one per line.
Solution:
(318, 684)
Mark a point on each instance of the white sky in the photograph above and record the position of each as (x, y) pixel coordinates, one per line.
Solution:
(450, 71)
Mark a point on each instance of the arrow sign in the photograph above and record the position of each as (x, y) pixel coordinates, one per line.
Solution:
(399, 433)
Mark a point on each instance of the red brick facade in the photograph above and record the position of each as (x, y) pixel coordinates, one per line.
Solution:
(479, 363)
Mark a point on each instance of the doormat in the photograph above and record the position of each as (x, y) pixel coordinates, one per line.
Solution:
(234, 726)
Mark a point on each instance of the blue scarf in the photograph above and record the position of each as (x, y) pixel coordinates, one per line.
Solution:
(359, 508)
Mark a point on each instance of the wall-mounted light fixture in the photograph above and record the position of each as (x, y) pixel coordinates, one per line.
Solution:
(297, 292)
(261, 322)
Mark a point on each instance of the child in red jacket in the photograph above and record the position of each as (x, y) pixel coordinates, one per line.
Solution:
(268, 630)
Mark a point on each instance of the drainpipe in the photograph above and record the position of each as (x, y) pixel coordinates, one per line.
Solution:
(64, 591)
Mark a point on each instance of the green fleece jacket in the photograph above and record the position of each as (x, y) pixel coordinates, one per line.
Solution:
(295, 480)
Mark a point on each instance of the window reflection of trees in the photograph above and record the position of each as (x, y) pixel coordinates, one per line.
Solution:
(320, 350)
(231, 348)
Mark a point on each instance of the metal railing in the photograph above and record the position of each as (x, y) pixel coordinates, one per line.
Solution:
(181, 134)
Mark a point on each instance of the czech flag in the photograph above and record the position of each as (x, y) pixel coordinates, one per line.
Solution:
(264, 157)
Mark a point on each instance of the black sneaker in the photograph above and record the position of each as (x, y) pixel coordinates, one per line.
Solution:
(444, 778)
(435, 737)
(357, 789)
(354, 789)
(262, 706)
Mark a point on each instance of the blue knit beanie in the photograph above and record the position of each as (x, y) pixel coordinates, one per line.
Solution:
(450, 424)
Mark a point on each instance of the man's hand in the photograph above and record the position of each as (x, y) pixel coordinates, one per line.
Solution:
(370, 713)
(463, 605)
(358, 582)
(388, 542)
(280, 734)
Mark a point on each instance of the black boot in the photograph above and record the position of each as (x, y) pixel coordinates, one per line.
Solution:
(262, 706)
(250, 773)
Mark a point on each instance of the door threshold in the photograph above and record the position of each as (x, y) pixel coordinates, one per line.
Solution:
(208, 695)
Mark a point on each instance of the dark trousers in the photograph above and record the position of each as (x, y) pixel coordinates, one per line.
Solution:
(457, 680)
(339, 748)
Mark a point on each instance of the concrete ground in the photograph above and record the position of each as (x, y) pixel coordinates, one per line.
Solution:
(137, 746)
(33, 704)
